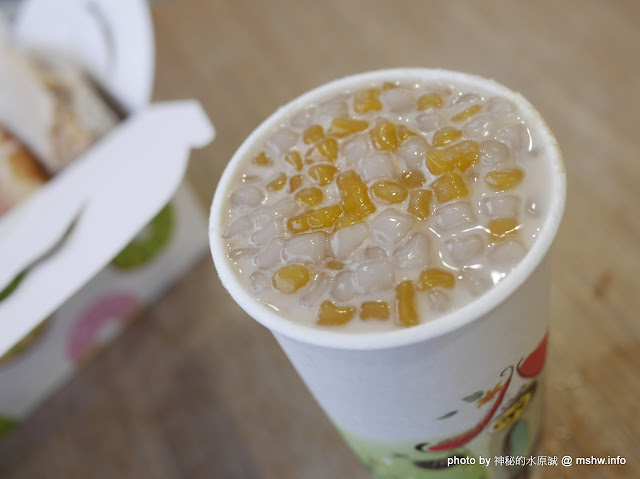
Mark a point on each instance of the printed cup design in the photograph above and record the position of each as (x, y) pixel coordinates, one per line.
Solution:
(510, 427)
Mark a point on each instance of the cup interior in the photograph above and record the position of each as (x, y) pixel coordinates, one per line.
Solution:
(447, 323)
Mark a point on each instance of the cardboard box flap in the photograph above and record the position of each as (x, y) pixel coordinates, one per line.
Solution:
(117, 187)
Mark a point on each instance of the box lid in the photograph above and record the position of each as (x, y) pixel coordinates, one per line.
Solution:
(111, 191)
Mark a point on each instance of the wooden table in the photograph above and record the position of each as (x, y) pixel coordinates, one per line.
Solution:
(196, 389)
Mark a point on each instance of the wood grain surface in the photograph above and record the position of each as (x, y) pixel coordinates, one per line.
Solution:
(195, 389)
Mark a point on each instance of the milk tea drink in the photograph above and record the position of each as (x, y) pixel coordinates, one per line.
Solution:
(386, 205)
(396, 220)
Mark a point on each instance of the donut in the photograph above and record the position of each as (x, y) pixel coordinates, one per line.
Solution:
(148, 244)
(51, 105)
(114, 309)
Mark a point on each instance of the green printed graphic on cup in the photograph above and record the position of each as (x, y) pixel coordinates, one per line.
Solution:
(149, 243)
(405, 459)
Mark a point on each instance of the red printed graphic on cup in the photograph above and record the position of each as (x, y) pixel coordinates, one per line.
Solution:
(528, 368)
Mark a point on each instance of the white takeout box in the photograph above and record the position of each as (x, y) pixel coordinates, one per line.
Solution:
(112, 191)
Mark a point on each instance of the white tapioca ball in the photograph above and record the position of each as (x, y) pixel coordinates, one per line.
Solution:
(262, 218)
(353, 151)
(390, 226)
(516, 137)
(532, 207)
(494, 153)
(464, 249)
(317, 291)
(412, 152)
(277, 211)
(398, 100)
(374, 276)
(456, 216)
(480, 128)
(332, 190)
(257, 176)
(501, 106)
(476, 280)
(259, 282)
(334, 108)
(240, 225)
(502, 206)
(374, 252)
(438, 300)
(270, 230)
(237, 254)
(306, 248)
(303, 119)
(428, 122)
(415, 252)
(346, 240)
(465, 99)
(377, 166)
(270, 255)
(247, 196)
(505, 255)
(283, 208)
(281, 142)
(343, 287)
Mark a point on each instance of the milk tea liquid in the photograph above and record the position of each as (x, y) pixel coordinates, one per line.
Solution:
(387, 205)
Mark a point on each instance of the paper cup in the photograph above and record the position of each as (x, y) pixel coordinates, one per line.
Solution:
(436, 399)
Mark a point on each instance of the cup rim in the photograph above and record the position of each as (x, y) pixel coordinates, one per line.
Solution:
(447, 323)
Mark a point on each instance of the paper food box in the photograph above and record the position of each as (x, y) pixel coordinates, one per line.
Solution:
(105, 236)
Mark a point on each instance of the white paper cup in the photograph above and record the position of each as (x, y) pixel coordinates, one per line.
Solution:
(452, 390)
